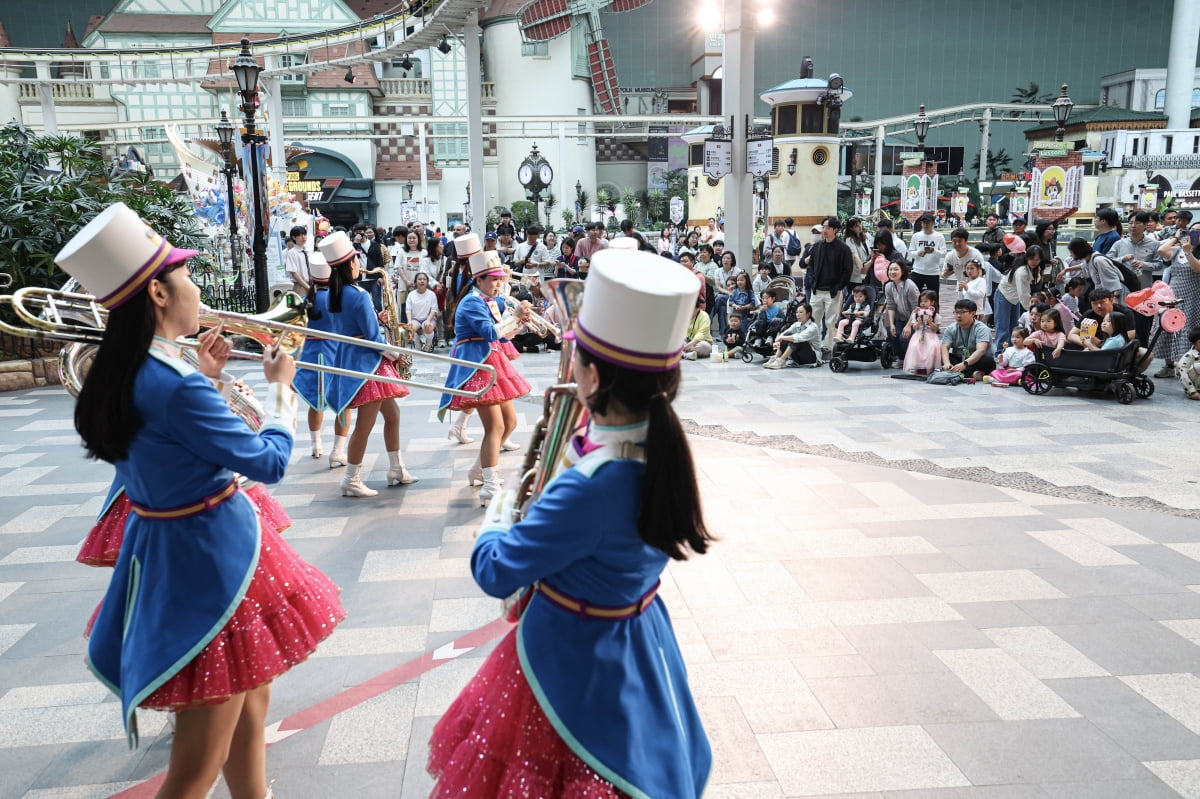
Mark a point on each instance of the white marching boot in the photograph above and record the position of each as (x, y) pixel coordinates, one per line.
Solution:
(337, 458)
(352, 484)
(491, 485)
(509, 446)
(397, 474)
(475, 476)
(318, 449)
(458, 430)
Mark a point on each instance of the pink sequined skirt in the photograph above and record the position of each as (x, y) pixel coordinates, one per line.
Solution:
(103, 542)
(374, 391)
(510, 384)
(509, 350)
(494, 742)
(289, 608)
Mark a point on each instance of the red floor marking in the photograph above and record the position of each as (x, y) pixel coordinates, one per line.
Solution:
(355, 695)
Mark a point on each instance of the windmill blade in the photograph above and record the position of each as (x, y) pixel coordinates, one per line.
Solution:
(618, 6)
(604, 77)
(542, 20)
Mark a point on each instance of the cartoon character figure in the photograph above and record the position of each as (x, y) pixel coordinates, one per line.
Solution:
(1052, 191)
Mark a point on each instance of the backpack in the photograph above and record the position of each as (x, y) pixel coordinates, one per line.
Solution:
(793, 246)
(1131, 279)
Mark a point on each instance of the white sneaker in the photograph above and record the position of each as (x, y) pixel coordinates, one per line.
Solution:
(773, 364)
(767, 363)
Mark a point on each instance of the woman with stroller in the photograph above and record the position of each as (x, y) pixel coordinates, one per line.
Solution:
(860, 253)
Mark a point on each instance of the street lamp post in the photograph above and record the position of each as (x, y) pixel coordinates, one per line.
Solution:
(578, 201)
(225, 136)
(921, 126)
(535, 174)
(1062, 111)
(245, 71)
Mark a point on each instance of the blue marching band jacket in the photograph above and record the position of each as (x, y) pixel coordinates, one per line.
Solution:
(191, 545)
(357, 319)
(475, 330)
(595, 641)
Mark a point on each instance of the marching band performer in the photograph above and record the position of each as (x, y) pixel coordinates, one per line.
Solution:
(588, 696)
(352, 314)
(479, 325)
(207, 605)
(314, 387)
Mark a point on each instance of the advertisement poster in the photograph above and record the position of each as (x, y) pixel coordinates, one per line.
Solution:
(1052, 188)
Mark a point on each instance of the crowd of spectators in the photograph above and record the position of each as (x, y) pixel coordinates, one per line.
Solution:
(1018, 294)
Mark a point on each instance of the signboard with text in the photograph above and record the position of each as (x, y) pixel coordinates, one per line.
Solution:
(718, 158)
(677, 209)
(760, 160)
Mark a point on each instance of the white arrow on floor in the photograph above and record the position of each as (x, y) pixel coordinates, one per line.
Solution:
(447, 651)
(274, 735)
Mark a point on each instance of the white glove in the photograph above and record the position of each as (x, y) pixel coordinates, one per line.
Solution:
(501, 511)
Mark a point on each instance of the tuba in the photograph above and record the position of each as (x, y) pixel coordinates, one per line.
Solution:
(562, 412)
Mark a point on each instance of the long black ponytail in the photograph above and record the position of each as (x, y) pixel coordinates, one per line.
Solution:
(671, 518)
(105, 415)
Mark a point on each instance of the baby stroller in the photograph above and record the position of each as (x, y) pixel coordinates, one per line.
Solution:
(869, 345)
(761, 336)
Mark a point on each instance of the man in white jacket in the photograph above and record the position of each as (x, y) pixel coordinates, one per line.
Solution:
(928, 251)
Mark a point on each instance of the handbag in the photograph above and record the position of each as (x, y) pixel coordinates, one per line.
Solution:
(944, 377)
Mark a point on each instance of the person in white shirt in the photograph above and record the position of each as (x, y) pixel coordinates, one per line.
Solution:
(961, 253)
(531, 255)
(405, 265)
(422, 309)
(928, 250)
(295, 260)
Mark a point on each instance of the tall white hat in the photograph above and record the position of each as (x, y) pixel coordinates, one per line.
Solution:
(117, 254)
(467, 245)
(636, 310)
(318, 267)
(337, 248)
(486, 263)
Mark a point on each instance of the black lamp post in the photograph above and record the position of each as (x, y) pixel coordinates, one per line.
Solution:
(225, 136)
(408, 187)
(1062, 111)
(921, 126)
(578, 201)
(245, 71)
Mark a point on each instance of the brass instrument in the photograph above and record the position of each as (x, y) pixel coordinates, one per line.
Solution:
(394, 330)
(6, 280)
(48, 314)
(561, 410)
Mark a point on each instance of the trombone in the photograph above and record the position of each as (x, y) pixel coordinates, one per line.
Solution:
(49, 315)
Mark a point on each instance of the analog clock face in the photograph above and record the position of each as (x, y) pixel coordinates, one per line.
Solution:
(546, 174)
(525, 174)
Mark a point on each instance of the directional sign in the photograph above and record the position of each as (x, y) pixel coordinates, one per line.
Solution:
(718, 158)
(760, 160)
(677, 209)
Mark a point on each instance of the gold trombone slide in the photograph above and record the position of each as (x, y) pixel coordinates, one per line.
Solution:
(54, 316)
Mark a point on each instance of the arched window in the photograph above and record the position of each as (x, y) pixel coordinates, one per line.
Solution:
(1160, 99)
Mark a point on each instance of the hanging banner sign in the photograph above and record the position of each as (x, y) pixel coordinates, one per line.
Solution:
(718, 158)
(760, 157)
(677, 209)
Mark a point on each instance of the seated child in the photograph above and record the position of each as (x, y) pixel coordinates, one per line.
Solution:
(763, 280)
(1050, 334)
(800, 343)
(735, 337)
(924, 351)
(699, 341)
(1187, 367)
(1012, 362)
(768, 319)
(855, 312)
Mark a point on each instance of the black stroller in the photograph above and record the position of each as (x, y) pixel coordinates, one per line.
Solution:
(869, 345)
(760, 338)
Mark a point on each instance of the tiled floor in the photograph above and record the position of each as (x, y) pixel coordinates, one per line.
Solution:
(864, 628)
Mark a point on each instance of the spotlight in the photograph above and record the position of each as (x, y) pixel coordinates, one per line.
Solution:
(444, 46)
(349, 77)
(406, 64)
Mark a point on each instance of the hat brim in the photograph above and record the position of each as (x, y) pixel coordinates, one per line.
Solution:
(177, 254)
(494, 273)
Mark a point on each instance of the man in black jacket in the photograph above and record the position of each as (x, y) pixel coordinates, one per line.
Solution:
(829, 268)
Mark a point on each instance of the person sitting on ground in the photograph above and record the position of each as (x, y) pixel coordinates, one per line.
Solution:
(800, 343)
(924, 350)
(1049, 335)
(855, 313)
(966, 344)
(1012, 362)
(1188, 366)
(699, 341)
(735, 337)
